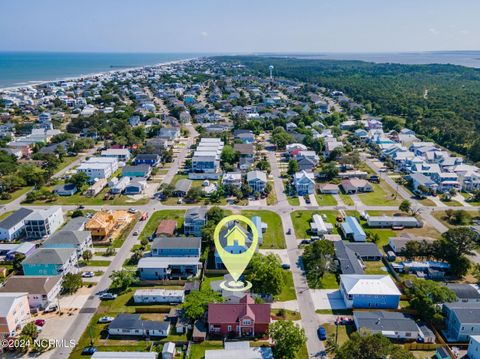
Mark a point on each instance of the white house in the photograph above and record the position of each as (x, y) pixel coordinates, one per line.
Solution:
(43, 222)
(121, 154)
(13, 227)
(110, 160)
(41, 290)
(319, 227)
(304, 183)
(132, 324)
(96, 170)
(158, 296)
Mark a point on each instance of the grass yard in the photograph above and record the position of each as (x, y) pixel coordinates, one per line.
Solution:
(302, 353)
(197, 351)
(452, 203)
(66, 161)
(14, 195)
(375, 267)
(347, 200)
(442, 217)
(293, 201)
(301, 221)
(208, 279)
(343, 334)
(329, 281)
(285, 314)
(272, 196)
(325, 199)
(380, 196)
(97, 263)
(273, 238)
(288, 291)
(467, 196)
(157, 217)
(118, 242)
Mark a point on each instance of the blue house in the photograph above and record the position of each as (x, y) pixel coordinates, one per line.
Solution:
(369, 291)
(51, 261)
(176, 247)
(150, 159)
(68, 189)
(352, 230)
(462, 320)
(304, 183)
(137, 171)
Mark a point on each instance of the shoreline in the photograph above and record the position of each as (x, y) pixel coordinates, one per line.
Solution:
(96, 74)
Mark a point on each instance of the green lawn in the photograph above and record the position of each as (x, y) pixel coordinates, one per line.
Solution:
(329, 281)
(157, 217)
(208, 279)
(66, 161)
(376, 267)
(286, 314)
(14, 195)
(343, 333)
(467, 196)
(97, 263)
(288, 291)
(272, 196)
(452, 203)
(293, 201)
(79, 199)
(379, 196)
(325, 200)
(346, 199)
(273, 238)
(118, 242)
(301, 221)
(197, 351)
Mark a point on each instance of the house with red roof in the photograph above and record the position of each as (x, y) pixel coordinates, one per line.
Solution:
(242, 319)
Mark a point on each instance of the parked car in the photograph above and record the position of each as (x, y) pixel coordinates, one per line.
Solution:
(106, 319)
(289, 231)
(89, 350)
(107, 296)
(135, 233)
(51, 308)
(39, 322)
(305, 241)
(285, 266)
(322, 333)
(307, 199)
(132, 210)
(88, 274)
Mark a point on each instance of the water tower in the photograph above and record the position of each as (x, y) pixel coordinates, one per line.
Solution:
(271, 72)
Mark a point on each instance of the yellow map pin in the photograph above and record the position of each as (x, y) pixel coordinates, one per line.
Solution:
(235, 263)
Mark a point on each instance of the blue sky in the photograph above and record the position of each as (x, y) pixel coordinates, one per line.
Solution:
(239, 26)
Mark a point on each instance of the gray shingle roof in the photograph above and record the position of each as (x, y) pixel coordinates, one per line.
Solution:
(15, 218)
(133, 321)
(380, 320)
(177, 242)
(68, 237)
(50, 256)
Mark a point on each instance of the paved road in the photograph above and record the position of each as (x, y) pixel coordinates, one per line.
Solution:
(310, 321)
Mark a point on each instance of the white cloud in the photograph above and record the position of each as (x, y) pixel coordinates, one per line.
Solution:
(204, 33)
(464, 32)
(433, 31)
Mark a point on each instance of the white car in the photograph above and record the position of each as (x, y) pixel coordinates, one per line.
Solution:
(107, 296)
(51, 308)
(106, 319)
(132, 210)
(88, 274)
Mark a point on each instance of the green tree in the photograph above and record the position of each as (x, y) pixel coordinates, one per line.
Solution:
(363, 345)
(17, 262)
(229, 155)
(287, 337)
(77, 213)
(122, 279)
(281, 138)
(196, 303)
(71, 283)
(292, 167)
(215, 215)
(194, 194)
(266, 274)
(318, 259)
(79, 179)
(330, 170)
(87, 255)
(405, 206)
(426, 297)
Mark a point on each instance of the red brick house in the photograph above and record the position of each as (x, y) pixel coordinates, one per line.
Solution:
(243, 319)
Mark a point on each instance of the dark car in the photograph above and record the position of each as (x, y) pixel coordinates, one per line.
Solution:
(89, 350)
(307, 199)
(289, 231)
(322, 333)
(305, 241)
(285, 266)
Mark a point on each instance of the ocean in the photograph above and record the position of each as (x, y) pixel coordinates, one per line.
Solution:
(24, 68)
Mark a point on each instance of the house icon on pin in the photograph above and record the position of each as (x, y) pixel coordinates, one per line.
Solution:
(236, 237)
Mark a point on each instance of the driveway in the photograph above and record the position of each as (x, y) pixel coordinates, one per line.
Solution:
(282, 253)
(327, 299)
